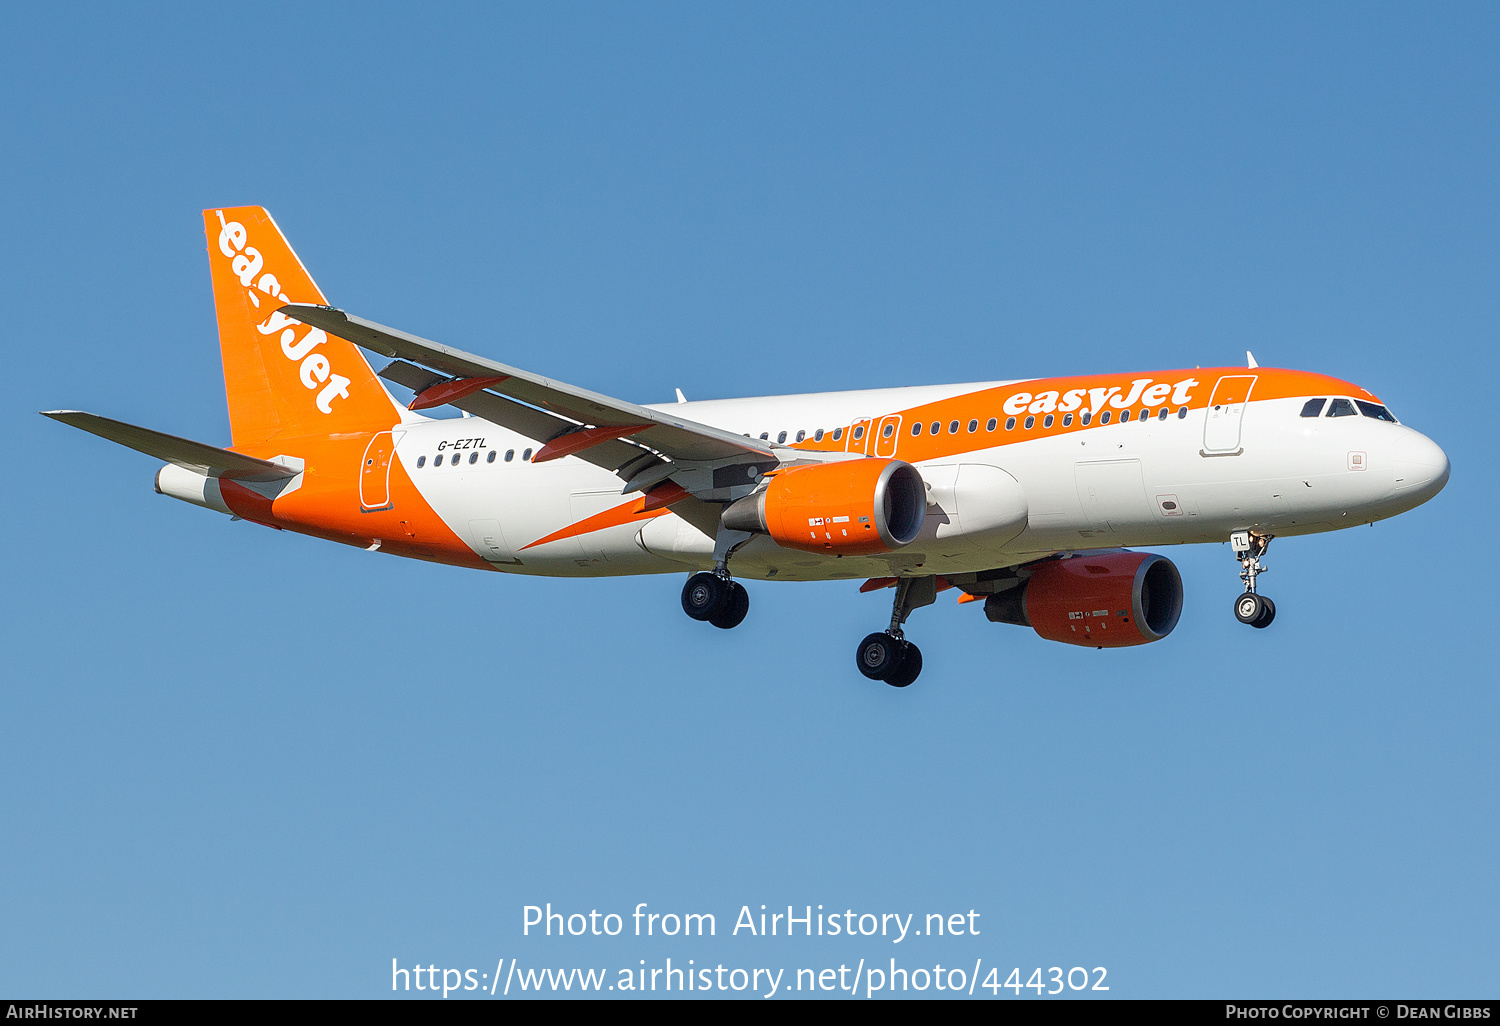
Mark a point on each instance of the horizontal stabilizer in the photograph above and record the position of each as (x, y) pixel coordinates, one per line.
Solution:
(198, 456)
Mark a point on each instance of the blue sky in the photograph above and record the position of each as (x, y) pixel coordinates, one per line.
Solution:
(238, 763)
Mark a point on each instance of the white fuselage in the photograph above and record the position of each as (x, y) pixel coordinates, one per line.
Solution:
(1007, 500)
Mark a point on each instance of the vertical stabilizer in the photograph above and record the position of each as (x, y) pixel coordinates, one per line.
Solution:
(281, 377)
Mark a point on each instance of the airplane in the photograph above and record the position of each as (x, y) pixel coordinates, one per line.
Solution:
(1030, 496)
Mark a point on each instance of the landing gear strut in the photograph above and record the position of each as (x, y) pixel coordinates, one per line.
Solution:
(888, 656)
(1251, 607)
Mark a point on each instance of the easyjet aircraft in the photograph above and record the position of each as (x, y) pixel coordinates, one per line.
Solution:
(1023, 495)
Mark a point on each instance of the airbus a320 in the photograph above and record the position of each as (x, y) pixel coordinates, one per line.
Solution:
(1029, 496)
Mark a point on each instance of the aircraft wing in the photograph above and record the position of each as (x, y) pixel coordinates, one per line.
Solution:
(599, 417)
(195, 456)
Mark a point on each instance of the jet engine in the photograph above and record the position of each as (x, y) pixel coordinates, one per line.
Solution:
(853, 507)
(1107, 600)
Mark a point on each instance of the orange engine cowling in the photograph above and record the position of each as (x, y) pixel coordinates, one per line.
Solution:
(852, 507)
(1108, 600)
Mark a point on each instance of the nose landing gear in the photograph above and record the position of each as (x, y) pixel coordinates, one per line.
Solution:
(888, 656)
(1252, 608)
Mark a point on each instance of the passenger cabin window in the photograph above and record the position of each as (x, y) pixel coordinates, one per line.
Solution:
(1010, 423)
(1047, 421)
(1313, 408)
(973, 426)
(455, 459)
(1342, 408)
(491, 457)
(1104, 417)
(1163, 414)
(765, 436)
(990, 426)
(421, 462)
(1084, 418)
(1030, 423)
(859, 433)
(510, 454)
(525, 455)
(1182, 413)
(1067, 420)
(473, 457)
(1374, 410)
(953, 427)
(818, 435)
(937, 428)
(801, 435)
(837, 434)
(888, 431)
(916, 429)
(781, 438)
(1124, 416)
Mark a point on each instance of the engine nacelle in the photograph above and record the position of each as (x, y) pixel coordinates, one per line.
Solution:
(1109, 600)
(852, 507)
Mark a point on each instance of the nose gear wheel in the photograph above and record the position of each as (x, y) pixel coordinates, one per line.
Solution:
(1252, 607)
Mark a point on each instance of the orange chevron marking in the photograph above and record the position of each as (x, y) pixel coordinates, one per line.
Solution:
(628, 512)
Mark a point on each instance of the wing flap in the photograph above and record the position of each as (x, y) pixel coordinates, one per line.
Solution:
(184, 452)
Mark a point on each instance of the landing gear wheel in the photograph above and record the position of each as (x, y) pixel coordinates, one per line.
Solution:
(734, 609)
(879, 656)
(910, 668)
(706, 595)
(1250, 607)
(1268, 613)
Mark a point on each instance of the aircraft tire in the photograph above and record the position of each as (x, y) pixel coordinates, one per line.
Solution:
(1268, 613)
(910, 668)
(879, 656)
(705, 596)
(735, 609)
(1249, 607)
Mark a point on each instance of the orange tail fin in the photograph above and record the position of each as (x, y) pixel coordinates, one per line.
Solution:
(281, 377)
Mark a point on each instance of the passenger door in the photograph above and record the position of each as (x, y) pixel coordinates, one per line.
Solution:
(375, 473)
(1226, 411)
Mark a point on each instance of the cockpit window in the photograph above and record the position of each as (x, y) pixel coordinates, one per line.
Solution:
(1374, 410)
(1342, 408)
(1313, 408)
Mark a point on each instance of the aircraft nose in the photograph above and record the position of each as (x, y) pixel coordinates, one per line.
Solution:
(1420, 464)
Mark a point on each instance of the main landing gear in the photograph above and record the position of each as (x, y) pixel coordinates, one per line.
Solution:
(888, 656)
(712, 595)
(1252, 608)
(716, 598)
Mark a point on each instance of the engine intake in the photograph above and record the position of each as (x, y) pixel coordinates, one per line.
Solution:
(852, 507)
(1108, 600)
